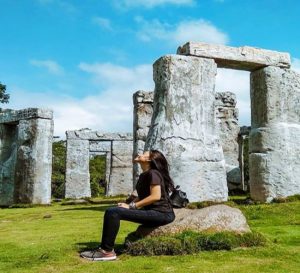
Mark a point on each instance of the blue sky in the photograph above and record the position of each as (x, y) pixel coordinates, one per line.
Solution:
(85, 59)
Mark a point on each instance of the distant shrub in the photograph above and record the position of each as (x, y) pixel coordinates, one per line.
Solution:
(97, 175)
(189, 242)
(58, 169)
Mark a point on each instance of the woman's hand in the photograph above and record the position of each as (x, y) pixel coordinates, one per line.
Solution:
(123, 205)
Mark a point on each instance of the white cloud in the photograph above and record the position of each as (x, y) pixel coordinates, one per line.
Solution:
(52, 66)
(102, 22)
(192, 30)
(237, 82)
(296, 64)
(119, 76)
(110, 110)
(151, 3)
(199, 30)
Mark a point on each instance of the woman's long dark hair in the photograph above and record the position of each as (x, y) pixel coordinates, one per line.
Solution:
(160, 163)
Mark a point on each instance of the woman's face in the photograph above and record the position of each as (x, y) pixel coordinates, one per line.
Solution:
(141, 158)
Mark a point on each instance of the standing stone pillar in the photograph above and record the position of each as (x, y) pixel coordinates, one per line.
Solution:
(120, 181)
(142, 114)
(77, 169)
(8, 159)
(228, 127)
(183, 126)
(26, 156)
(275, 134)
(243, 138)
(34, 161)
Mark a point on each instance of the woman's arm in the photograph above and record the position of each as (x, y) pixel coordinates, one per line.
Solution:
(155, 195)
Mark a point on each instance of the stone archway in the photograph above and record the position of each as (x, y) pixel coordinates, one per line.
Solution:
(183, 124)
(118, 150)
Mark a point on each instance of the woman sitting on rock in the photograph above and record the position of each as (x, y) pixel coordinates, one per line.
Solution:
(152, 207)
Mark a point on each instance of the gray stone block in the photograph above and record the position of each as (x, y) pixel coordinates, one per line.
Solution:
(275, 134)
(77, 183)
(120, 181)
(8, 159)
(34, 161)
(183, 125)
(10, 115)
(243, 58)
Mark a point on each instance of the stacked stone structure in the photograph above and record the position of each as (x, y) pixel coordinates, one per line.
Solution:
(227, 124)
(183, 125)
(25, 156)
(118, 150)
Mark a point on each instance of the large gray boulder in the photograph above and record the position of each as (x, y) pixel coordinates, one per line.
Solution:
(214, 218)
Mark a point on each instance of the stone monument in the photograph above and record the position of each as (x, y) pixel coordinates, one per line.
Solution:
(25, 156)
(118, 150)
(184, 126)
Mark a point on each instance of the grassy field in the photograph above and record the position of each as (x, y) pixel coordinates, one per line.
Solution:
(48, 239)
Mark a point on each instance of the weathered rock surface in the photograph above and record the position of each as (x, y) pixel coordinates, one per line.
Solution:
(228, 127)
(142, 114)
(213, 218)
(275, 134)
(227, 121)
(183, 126)
(87, 134)
(8, 159)
(26, 156)
(243, 138)
(121, 171)
(10, 115)
(243, 58)
(77, 184)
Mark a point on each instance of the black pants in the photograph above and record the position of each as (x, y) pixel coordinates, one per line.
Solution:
(112, 217)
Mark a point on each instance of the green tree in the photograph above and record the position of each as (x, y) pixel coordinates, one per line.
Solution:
(58, 169)
(4, 97)
(97, 175)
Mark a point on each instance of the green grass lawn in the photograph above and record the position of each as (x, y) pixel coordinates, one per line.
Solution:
(48, 239)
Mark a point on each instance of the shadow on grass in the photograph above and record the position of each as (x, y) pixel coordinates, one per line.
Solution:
(84, 246)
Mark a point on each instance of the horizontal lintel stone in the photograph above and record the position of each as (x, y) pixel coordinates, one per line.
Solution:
(241, 58)
(86, 134)
(10, 115)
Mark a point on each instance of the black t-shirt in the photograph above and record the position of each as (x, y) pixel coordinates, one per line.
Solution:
(153, 177)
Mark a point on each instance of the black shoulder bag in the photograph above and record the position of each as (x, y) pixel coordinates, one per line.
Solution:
(178, 198)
